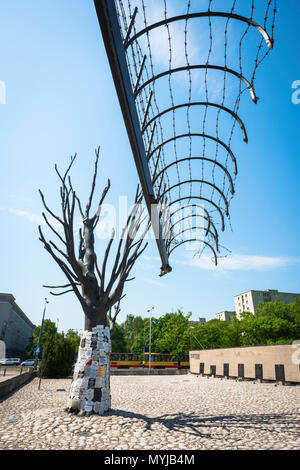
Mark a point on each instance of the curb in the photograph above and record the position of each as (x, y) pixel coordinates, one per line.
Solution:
(10, 385)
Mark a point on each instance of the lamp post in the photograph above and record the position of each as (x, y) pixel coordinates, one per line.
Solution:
(191, 334)
(40, 335)
(150, 340)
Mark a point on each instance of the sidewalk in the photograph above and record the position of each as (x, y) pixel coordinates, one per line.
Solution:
(158, 412)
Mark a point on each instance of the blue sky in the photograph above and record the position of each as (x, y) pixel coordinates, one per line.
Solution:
(60, 99)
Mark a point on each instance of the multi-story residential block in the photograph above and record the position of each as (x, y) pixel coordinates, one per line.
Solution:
(225, 316)
(199, 320)
(16, 329)
(249, 301)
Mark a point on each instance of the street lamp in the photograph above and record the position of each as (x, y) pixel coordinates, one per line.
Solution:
(150, 339)
(190, 328)
(40, 336)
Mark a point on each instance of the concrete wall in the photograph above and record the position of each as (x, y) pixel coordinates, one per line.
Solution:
(9, 385)
(268, 356)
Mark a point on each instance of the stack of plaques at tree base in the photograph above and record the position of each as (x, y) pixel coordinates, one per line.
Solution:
(90, 389)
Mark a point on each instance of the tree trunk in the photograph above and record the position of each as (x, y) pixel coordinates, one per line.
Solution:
(90, 389)
(98, 317)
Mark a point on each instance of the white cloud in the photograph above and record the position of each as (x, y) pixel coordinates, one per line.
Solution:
(239, 262)
(154, 283)
(150, 258)
(31, 217)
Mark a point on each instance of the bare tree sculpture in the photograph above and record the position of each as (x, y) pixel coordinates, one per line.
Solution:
(97, 296)
(112, 318)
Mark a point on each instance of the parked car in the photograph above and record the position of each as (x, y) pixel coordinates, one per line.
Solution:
(28, 363)
(10, 361)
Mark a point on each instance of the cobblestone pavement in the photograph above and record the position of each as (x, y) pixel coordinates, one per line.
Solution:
(156, 413)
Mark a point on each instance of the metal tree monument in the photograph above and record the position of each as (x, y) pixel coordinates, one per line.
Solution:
(90, 387)
(181, 71)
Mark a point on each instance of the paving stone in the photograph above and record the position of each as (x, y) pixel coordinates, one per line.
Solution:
(156, 412)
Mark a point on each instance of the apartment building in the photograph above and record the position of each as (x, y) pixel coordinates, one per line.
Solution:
(225, 316)
(198, 320)
(249, 301)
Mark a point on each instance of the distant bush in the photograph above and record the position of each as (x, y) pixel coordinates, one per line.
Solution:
(60, 355)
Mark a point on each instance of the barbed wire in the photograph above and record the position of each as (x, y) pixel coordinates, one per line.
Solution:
(216, 180)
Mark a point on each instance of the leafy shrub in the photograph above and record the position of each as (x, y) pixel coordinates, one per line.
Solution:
(59, 358)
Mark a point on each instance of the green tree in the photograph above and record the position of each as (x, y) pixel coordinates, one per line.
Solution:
(74, 338)
(49, 331)
(118, 342)
(60, 354)
(132, 327)
(174, 334)
(273, 323)
(216, 334)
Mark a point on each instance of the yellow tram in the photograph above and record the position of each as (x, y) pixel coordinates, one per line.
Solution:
(124, 360)
(158, 361)
(164, 361)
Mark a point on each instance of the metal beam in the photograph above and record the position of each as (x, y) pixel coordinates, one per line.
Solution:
(108, 21)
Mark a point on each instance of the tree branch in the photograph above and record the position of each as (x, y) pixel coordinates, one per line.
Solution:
(61, 293)
(53, 230)
(88, 206)
(48, 210)
(60, 287)
(98, 211)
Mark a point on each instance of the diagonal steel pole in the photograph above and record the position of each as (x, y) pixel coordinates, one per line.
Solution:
(109, 24)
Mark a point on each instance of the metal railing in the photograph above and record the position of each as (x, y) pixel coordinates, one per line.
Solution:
(8, 370)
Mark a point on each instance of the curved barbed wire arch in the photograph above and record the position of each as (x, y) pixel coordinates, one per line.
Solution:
(147, 89)
(199, 67)
(206, 216)
(181, 183)
(201, 198)
(269, 41)
(194, 134)
(196, 240)
(210, 224)
(199, 103)
(195, 227)
(201, 159)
